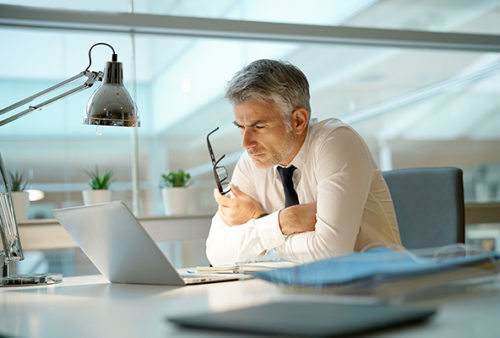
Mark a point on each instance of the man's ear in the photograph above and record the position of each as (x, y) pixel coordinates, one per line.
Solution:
(300, 119)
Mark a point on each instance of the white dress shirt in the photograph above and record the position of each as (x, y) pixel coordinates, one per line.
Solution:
(334, 169)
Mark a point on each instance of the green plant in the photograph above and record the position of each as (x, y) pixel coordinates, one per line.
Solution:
(100, 183)
(18, 181)
(175, 179)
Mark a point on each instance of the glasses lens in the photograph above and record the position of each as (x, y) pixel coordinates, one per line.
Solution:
(225, 187)
(221, 173)
(222, 176)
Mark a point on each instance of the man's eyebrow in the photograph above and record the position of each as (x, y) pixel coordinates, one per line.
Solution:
(253, 124)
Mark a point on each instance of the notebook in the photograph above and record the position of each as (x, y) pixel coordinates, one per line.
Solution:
(121, 249)
(306, 318)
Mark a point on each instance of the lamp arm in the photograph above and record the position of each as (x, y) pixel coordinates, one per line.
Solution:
(91, 78)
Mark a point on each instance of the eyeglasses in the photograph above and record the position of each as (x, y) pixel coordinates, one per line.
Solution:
(220, 172)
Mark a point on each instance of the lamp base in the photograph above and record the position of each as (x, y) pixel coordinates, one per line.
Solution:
(31, 280)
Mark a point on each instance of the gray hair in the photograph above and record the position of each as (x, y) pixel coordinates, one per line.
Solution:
(273, 81)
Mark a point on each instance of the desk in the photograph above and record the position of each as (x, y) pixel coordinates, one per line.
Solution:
(88, 306)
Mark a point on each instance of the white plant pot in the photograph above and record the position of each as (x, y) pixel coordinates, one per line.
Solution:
(96, 196)
(21, 201)
(175, 200)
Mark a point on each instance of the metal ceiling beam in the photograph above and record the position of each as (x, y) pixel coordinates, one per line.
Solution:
(20, 16)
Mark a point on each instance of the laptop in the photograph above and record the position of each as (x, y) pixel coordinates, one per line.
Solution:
(121, 249)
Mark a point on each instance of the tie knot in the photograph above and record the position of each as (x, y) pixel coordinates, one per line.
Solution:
(286, 173)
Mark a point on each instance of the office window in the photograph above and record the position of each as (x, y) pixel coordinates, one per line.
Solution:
(413, 107)
(324, 12)
(89, 5)
(436, 15)
(52, 146)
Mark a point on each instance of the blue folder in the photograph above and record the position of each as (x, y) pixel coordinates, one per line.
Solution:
(373, 266)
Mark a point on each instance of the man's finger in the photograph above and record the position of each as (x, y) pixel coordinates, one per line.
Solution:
(223, 215)
(235, 190)
(224, 201)
(217, 194)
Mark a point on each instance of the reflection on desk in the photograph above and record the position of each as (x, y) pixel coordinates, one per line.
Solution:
(88, 306)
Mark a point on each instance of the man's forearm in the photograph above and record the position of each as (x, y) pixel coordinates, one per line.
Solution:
(298, 218)
(230, 244)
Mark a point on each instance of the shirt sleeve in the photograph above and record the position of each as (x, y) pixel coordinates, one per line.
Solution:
(229, 244)
(344, 170)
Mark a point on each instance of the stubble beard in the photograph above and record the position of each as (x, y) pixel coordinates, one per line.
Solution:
(286, 149)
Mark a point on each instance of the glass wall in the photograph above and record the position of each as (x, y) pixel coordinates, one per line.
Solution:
(413, 107)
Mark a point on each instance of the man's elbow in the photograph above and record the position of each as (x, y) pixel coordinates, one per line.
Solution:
(213, 258)
(213, 255)
(324, 247)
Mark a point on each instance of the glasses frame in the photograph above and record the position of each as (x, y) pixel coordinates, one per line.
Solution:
(215, 165)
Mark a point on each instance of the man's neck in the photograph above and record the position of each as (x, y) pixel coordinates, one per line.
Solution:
(300, 142)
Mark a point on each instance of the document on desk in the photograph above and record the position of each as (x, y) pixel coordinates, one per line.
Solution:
(382, 272)
(245, 267)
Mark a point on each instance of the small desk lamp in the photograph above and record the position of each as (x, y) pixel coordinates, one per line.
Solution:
(109, 105)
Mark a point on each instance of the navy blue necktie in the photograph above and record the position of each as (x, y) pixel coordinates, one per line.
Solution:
(291, 197)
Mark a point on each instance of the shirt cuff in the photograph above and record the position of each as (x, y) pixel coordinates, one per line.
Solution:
(269, 231)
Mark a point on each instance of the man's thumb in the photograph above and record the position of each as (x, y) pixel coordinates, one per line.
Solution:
(235, 190)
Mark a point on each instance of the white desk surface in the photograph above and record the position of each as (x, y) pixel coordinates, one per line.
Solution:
(88, 306)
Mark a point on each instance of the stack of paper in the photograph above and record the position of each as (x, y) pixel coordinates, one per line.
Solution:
(248, 267)
(382, 272)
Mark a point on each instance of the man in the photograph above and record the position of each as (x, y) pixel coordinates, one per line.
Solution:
(344, 203)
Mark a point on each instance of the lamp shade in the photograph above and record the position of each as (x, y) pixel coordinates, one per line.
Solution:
(111, 104)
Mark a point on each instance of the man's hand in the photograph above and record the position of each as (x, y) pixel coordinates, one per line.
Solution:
(238, 209)
(298, 218)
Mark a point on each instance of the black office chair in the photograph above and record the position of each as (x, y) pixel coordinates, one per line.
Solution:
(429, 204)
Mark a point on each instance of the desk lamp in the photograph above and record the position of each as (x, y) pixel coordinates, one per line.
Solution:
(109, 105)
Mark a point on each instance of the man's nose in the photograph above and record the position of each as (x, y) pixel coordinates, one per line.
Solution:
(248, 140)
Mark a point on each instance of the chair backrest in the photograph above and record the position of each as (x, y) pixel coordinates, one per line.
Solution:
(429, 204)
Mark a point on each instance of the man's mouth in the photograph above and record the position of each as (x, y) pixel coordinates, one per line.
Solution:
(255, 154)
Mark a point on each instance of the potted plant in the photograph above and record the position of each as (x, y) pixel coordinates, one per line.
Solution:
(174, 192)
(100, 192)
(20, 197)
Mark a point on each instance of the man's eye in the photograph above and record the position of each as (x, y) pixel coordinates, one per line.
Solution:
(259, 127)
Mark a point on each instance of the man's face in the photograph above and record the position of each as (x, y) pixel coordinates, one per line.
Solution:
(264, 134)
